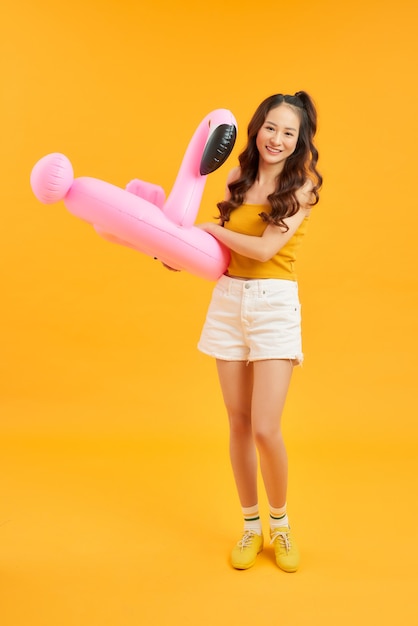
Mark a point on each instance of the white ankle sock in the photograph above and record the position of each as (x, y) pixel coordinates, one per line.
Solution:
(278, 517)
(252, 519)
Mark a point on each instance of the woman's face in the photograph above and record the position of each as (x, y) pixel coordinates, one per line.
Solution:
(278, 136)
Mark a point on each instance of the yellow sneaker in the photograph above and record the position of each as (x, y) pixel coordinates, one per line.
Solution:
(244, 554)
(287, 554)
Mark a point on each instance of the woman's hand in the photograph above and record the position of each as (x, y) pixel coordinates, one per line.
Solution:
(208, 227)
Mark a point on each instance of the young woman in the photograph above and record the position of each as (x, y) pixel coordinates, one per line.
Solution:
(253, 322)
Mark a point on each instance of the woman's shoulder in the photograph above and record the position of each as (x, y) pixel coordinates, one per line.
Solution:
(305, 195)
(233, 175)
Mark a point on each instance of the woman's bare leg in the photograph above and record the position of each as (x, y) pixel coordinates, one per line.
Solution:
(236, 380)
(271, 380)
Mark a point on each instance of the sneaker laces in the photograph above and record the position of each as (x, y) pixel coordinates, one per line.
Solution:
(284, 539)
(246, 539)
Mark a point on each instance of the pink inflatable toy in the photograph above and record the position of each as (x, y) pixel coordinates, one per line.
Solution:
(139, 217)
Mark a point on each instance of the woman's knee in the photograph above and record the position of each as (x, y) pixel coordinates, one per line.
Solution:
(239, 423)
(267, 437)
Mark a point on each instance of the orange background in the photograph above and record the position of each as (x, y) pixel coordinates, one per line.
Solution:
(117, 500)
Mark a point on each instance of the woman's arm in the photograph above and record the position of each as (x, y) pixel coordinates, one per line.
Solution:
(259, 248)
(271, 241)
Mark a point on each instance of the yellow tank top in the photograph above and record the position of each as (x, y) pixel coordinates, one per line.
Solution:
(246, 220)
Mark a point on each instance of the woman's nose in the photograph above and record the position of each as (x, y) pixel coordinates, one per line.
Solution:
(276, 139)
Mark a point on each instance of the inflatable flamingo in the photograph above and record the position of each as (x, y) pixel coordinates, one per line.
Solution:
(139, 217)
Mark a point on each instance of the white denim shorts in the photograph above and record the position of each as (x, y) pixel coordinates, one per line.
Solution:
(253, 320)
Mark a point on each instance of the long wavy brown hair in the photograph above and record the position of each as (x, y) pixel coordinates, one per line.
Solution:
(298, 168)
